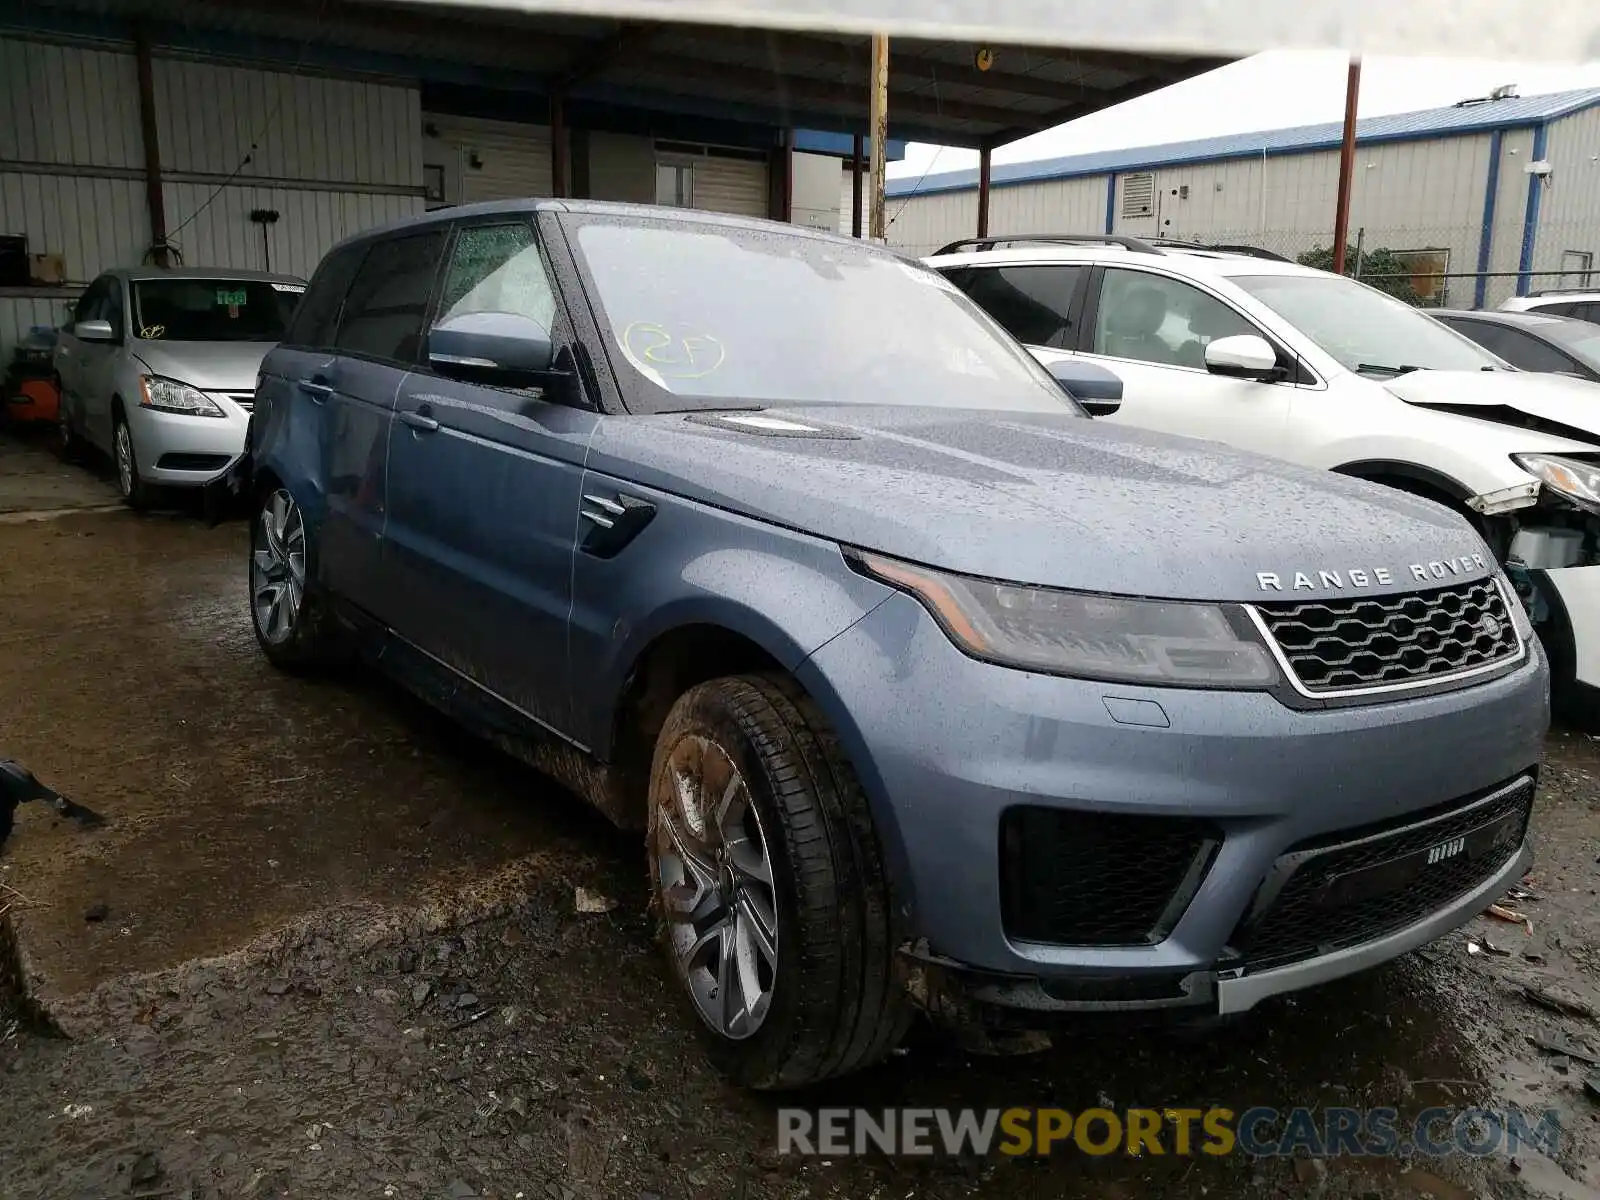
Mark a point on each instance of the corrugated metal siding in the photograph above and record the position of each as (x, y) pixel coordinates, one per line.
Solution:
(68, 105)
(1511, 204)
(923, 224)
(515, 158)
(309, 223)
(210, 117)
(1074, 205)
(92, 223)
(847, 200)
(730, 185)
(1569, 211)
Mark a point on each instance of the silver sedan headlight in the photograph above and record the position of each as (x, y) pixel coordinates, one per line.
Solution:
(171, 396)
(1088, 636)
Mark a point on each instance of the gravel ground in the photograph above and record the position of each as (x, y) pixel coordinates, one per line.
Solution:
(340, 956)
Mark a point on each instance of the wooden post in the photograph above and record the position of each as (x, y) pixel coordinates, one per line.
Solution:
(558, 143)
(857, 148)
(153, 198)
(984, 152)
(1347, 166)
(877, 227)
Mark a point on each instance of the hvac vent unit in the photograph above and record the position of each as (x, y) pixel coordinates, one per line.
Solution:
(1139, 195)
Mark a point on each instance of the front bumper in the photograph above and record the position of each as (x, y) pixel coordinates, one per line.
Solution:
(979, 740)
(175, 450)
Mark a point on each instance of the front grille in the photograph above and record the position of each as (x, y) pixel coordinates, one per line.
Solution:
(1324, 896)
(1374, 641)
(1098, 879)
(245, 400)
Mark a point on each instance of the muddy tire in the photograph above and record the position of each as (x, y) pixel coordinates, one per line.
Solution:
(136, 493)
(768, 883)
(288, 612)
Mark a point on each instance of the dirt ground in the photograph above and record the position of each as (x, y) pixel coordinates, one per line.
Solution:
(335, 953)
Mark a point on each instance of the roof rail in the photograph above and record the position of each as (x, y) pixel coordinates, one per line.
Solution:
(1566, 291)
(1137, 245)
(1221, 248)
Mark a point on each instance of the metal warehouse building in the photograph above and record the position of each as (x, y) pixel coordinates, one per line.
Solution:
(257, 133)
(1483, 199)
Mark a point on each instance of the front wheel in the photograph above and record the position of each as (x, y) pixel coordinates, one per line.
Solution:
(769, 886)
(136, 493)
(289, 614)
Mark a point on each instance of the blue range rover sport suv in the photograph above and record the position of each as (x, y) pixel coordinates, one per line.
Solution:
(926, 690)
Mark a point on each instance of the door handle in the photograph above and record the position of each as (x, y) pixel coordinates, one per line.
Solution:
(420, 421)
(315, 388)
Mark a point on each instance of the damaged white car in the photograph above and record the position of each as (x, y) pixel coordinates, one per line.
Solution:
(1301, 364)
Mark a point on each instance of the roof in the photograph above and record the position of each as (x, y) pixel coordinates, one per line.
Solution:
(1511, 113)
(606, 66)
(1184, 258)
(139, 273)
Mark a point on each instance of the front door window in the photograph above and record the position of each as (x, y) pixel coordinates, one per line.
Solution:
(1151, 318)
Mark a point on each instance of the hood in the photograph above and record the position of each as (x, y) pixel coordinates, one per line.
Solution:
(1048, 499)
(1554, 404)
(209, 366)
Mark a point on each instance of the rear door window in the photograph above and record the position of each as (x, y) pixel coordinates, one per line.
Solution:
(316, 318)
(1035, 304)
(387, 304)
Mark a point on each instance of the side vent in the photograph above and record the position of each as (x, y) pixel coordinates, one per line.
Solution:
(1139, 195)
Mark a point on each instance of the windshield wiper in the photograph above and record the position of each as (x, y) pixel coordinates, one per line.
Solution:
(1391, 372)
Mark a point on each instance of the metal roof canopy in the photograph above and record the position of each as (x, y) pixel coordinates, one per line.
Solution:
(779, 77)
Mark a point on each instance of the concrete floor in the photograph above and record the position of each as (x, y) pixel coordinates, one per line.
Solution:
(350, 868)
(35, 482)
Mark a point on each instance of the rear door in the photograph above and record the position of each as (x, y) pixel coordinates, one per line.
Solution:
(1152, 330)
(484, 492)
(378, 341)
(97, 363)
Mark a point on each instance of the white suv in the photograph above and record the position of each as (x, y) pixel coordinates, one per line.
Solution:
(1247, 348)
(1584, 304)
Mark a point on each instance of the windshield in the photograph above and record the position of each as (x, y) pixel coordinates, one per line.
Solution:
(212, 310)
(1363, 329)
(721, 316)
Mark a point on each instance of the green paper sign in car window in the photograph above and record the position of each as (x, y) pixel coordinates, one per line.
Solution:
(231, 297)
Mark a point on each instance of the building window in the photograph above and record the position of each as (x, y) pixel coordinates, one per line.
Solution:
(1428, 269)
(675, 184)
(1575, 268)
(1139, 195)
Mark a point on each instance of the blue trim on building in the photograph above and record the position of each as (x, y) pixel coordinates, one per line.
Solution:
(842, 145)
(1530, 220)
(1491, 189)
(1517, 113)
(1111, 201)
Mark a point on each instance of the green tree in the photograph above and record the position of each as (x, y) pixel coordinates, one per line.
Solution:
(1379, 268)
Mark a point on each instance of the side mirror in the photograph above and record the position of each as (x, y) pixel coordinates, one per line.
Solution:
(491, 346)
(1243, 356)
(1091, 385)
(94, 331)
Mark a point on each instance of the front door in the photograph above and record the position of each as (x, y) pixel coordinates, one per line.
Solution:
(1152, 330)
(484, 489)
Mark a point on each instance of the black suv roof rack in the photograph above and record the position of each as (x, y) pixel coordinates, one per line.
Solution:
(1222, 248)
(1137, 245)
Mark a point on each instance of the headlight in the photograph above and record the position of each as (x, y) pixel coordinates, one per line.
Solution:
(1080, 634)
(168, 395)
(1577, 481)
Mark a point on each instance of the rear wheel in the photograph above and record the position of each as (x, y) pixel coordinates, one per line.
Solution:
(769, 886)
(289, 614)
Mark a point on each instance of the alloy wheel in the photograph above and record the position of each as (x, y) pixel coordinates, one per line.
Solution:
(278, 567)
(124, 449)
(714, 878)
